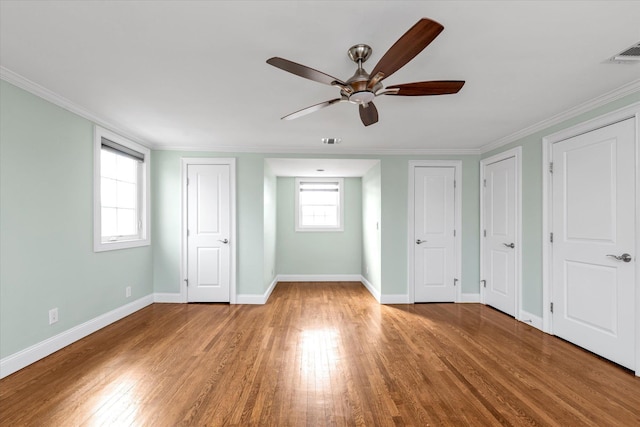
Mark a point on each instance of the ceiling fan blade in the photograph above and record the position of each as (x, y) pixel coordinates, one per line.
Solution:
(311, 109)
(368, 114)
(437, 87)
(304, 71)
(407, 47)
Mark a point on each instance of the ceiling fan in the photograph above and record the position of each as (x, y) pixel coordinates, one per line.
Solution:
(363, 87)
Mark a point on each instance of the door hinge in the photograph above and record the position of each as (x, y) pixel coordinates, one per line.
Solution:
(454, 233)
(550, 167)
(484, 183)
(551, 237)
(485, 233)
(186, 282)
(187, 181)
(484, 283)
(551, 307)
(455, 282)
(454, 184)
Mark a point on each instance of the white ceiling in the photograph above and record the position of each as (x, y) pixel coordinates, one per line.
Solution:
(344, 168)
(193, 74)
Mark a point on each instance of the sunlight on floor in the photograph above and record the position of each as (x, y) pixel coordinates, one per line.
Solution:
(118, 403)
(319, 352)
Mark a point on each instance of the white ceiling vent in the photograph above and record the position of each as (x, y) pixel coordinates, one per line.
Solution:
(630, 55)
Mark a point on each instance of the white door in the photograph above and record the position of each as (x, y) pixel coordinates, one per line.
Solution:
(593, 223)
(499, 251)
(434, 240)
(208, 233)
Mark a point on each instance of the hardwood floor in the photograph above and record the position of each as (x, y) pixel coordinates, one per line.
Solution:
(320, 355)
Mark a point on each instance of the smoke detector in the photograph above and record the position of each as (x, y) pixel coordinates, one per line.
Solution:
(630, 55)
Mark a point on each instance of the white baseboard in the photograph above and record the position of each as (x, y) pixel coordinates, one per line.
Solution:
(394, 299)
(531, 319)
(29, 355)
(373, 291)
(240, 299)
(470, 298)
(319, 278)
(250, 299)
(268, 292)
(257, 298)
(161, 297)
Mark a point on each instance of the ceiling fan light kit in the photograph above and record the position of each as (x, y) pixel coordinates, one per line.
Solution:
(362, 88)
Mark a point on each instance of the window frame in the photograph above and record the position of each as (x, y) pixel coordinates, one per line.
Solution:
(298, 211)
(144, 238)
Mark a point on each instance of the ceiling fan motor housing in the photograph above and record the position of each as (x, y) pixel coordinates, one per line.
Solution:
(360, 94)
(359, 81)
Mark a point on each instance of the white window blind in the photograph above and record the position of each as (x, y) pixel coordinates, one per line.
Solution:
(319, 204)
(119, 195)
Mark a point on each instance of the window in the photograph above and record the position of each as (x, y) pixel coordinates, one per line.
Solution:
(319, 204)
(121, 193)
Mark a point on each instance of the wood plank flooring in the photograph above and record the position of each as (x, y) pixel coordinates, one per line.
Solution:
(320, 354)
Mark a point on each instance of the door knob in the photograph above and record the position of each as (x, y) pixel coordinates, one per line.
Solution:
(624, 257)
(419, 242)
(509, 245)
(225, 241)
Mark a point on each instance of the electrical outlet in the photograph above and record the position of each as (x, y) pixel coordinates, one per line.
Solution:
(53, 315)
(127, 292)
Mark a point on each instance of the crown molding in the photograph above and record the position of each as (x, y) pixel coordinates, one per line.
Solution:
(329, 151)
(62, 102)
(621, 92)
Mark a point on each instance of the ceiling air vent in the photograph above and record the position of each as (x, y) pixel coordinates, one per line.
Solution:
(630, 55)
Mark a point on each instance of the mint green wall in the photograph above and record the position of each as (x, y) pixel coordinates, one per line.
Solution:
(46, 226)
(471, 225)
(270, 227)
(319, 252)
(532, 200)
(371, 214)
(250, 226)
(166, 221)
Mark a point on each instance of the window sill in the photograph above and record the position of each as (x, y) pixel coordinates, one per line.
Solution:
(125, 244)
(321, 230)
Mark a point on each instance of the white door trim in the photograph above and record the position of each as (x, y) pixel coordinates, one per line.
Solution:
(231, 162)
(516, 153)
(631, 111)
(457, 165)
